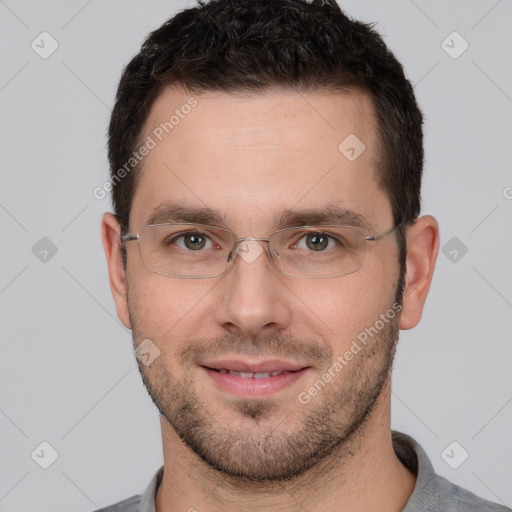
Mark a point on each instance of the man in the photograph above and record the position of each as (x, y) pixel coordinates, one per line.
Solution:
(266, 160)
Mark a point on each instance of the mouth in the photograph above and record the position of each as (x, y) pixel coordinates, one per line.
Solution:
(252, 375)
(254, 380)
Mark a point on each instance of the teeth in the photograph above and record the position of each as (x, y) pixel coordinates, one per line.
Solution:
(250, 375)
(262, 375)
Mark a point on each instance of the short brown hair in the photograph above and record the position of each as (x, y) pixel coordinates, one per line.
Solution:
(252, 45)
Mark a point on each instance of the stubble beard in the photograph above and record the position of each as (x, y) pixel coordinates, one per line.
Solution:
(262, 445)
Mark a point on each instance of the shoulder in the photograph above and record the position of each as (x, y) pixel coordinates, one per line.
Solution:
(141, 502)
(433, 492)
(128, 505)
(456, 498)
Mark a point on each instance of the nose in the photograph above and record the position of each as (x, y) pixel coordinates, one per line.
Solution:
(254, 301)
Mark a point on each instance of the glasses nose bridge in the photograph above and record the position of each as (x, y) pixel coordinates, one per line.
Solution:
(239, 241)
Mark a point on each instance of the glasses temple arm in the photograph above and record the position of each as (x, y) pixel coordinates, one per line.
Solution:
(128, 237)
(374, 238)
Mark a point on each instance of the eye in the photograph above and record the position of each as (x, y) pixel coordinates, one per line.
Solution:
(317, 241)
(192, 240)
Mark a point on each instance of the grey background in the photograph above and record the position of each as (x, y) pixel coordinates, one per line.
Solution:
(67, 372)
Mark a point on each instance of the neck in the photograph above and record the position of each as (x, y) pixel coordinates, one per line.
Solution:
(363, 474)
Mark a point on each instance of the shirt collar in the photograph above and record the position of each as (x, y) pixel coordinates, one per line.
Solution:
(427, 490)
(148, 499)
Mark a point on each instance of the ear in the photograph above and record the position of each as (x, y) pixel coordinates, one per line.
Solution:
(422, 249)
(110, 236)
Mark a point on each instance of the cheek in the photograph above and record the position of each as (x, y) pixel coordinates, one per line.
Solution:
(164, 308)
(342, 308)
(343, 304)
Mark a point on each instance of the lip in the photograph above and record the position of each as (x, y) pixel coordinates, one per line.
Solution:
(251, 387)
(271, 365)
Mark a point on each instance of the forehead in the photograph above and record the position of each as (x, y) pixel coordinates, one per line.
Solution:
(251, 156)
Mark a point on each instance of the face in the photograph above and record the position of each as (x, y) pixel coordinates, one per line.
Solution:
(251, 158)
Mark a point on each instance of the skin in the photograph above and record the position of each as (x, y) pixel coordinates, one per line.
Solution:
(251, 157)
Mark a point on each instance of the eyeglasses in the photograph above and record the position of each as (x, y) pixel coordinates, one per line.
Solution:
(197, 251)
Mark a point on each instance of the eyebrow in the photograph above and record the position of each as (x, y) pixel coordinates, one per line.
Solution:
(330, 214)
(169, 212)
(181, 212)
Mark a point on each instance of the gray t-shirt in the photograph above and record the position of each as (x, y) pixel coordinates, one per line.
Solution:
(432, 492)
